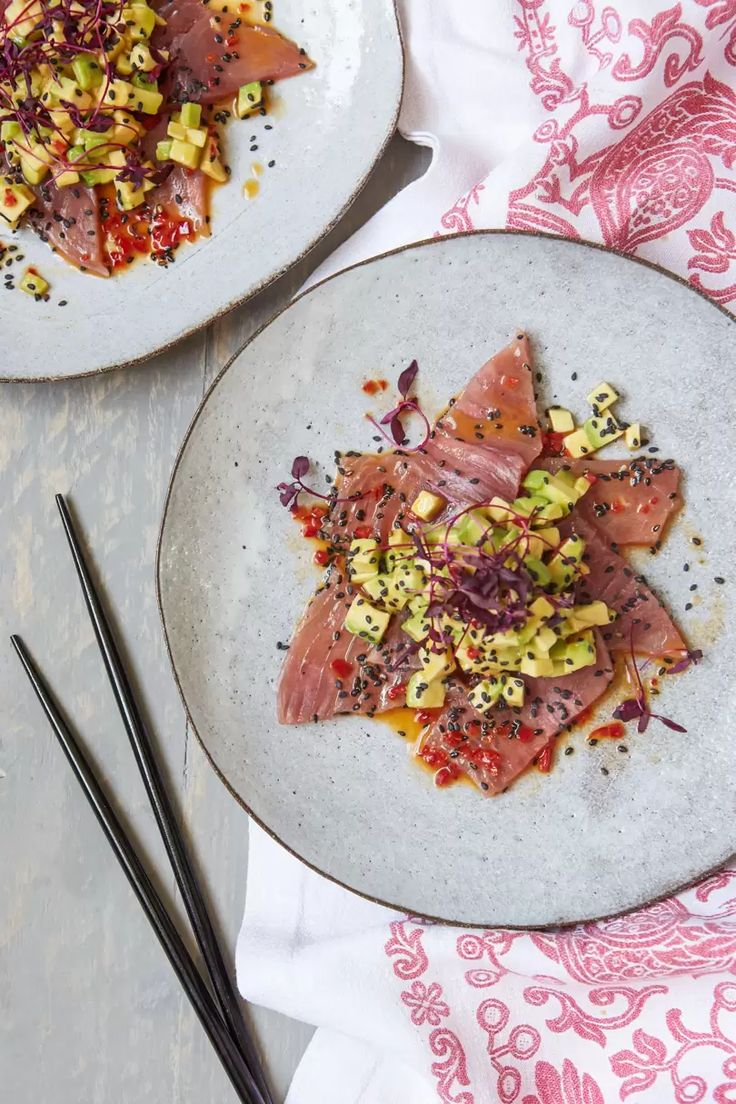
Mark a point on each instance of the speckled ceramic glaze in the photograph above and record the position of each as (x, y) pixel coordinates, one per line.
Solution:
(329, 127)
(234, 577)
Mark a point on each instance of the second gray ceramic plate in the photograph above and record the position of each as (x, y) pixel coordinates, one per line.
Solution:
(234, 578)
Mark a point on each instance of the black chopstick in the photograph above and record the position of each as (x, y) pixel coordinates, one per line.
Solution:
(186, 880)
(152, 905)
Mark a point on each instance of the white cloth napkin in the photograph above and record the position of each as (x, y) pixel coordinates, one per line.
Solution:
(615, 123)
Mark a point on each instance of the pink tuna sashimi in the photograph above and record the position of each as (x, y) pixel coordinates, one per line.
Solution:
(204, 69)
(632, 500)
(480, 447)
(183, 195)
(310, 689)
(642, 619)
(69, 220)
(494, 750)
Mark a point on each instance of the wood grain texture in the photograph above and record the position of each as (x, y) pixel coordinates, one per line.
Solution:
(89, 1008)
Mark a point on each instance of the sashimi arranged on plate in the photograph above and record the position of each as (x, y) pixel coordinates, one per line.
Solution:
(476, 587)
(111, 117)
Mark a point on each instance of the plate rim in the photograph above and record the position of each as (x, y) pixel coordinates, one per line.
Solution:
(239, 300)
(648, 902)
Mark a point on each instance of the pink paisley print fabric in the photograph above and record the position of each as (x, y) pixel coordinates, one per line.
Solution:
(612, 122)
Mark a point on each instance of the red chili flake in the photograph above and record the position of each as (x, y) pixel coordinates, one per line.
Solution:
(553, 443)
(310, 530)
(231, 40)
(591, 478)
(363, 531)
(484, 757)
(512, 382)
(341, 667)
(396, 691)
(373, 386)
(319, 512)
(544, 762)
(617, 507)
(10, 199)
(425, 716)
(525, 734)
(613, 731)
(653, 501)
(642, 508)
(446, 775)
(210, 57)
(454, 739)
(434, 756)
(322, 557)
(473, 653)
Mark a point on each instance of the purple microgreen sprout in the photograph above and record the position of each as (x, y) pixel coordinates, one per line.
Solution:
(289, 492)
(637, 708)
(397, 435)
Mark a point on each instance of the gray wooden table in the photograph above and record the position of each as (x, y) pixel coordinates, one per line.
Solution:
(89, 1008)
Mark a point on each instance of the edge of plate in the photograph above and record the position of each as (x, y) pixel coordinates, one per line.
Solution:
(456, 923)
(238, 301)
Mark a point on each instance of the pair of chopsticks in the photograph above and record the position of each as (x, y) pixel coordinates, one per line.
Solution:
(217, 1007)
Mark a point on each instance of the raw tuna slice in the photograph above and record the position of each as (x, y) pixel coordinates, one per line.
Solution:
(183, 195)
(495, 751)
(642, 620)
(327, 670)
(205, 70)
(632, 500)
(69, 220)
(480, 447)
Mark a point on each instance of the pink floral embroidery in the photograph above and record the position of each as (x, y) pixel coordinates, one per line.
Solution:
(723, 14)
(583, 17)
(642, 1066)
(654, 36)
(458, 218)
(405, 946)
(522, 1044)
(716, 249)
(568, 1087)
(718, 881)
(425, 1003)
(586, 1026)
(451, 1068)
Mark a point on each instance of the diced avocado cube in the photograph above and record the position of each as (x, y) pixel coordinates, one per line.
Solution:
(529, 504)
(128, 196)
(365, 621)
(87, 73)
(559, 489)
(535, 479)
(197, 136)
(508, 659)
(416, 626)
(401, 549)
(91, 177)
(436, 664)
(633, 436)
(562, 574)
(553, 512)
(9, 130)
(163, 151)
(545, 639)
(409, 578)
(214, 168)
(175, 129)
(248, 99)
(453, 626)
(385, 590)
(472, 528)
(602, 396)
(184, 153)
(15, 199)
(499, 510)
(538, 571)
(595, 613)
(578, 444)
(139, 20)
(191, 114)
(576, 654)
(549, 538)
(536, 667)
(427, 505)
(601, 431)
(363, 560)
(66, 179)
(149, 102)
(542, 607)
(528, 630)
(582, 486)
(513, 691)
(119, 93)
(144, 81)
(124, 65)
(423, 694)
(485, 695)
(33, 284)
(476, 662)
(572, 548)
(33, 169)
(560, 420)
(142, 59)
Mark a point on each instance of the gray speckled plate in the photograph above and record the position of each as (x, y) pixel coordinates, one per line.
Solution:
(329, 128)
(234, 578)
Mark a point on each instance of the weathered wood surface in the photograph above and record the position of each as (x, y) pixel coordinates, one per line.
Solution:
(90, 1011)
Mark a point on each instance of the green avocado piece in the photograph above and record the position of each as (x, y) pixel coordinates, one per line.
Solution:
(363, 560)
(385, 590)
(416, 626)
(535, 480)
(538, 571)
(484, 696)
(423, 694)
(602, 430)
(366, 621)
